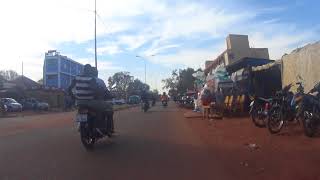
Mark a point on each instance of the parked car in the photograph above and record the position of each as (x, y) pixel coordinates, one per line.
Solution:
(12, 105)
(118, 101)
(34, 104)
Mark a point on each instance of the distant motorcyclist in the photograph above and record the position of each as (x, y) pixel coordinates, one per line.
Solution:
(90, 91)
(164, 97)
(144, 99)
(144, 95)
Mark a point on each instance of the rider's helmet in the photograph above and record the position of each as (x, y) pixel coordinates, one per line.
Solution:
(87, 70)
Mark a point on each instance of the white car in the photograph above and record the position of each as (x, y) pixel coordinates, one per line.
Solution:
(118, 101)
(12, 105)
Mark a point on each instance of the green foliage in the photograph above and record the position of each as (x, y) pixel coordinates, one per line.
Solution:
(122, 85)
(119, 83)
(180, 82)
(136, 86)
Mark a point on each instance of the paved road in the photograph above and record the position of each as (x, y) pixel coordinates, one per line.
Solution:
(155, 145)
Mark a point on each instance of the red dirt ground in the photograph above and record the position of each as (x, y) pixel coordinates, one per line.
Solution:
(288, 155)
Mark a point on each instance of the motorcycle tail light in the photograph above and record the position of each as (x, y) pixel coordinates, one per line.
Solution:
(267, 106)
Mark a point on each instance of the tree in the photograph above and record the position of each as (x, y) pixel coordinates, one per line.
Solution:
(171, 82)
(180, 82)
(119, 84)
(186, 80)
(9, 74)
(136, 86)
(155, 92)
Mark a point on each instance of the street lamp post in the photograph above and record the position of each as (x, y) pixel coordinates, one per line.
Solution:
(145, 65)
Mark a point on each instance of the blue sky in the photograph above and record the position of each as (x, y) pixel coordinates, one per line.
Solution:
(180, 33)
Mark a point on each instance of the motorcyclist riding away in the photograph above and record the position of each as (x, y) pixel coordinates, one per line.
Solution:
(144, 95)
(164, 97)
(91, 91)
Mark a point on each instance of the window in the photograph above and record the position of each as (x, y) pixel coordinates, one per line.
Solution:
(50, 77)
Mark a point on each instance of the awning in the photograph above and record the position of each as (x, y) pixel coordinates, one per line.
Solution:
(245, 62)
(266, 66)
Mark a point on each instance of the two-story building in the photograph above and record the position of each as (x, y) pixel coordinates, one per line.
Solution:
(237, 48)
(59, 70)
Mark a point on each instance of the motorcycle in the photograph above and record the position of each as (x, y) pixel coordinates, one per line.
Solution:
(90, 127)
(309, 111)
(145, 106)
(164, 103)
(282, 109)
(259, 108)
(93, 125)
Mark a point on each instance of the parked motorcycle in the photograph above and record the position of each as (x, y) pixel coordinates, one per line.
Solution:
(259, 108)
(92, 127)
(281, 110)
(309, 111)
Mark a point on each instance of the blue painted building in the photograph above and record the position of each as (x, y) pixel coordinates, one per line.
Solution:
(58, 70)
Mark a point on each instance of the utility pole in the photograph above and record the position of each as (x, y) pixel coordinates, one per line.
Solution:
(22, 69)
(95, 33)
(145, 66)
(145, 71)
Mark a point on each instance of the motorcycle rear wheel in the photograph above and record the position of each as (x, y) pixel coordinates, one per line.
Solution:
(87, 138)
(275, 120)
(309, 127)
(257, 121)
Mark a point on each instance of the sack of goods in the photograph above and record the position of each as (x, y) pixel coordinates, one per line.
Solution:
(206, 97)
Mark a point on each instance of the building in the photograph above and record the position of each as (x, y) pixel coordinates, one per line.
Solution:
(59, 70)
(237, 48)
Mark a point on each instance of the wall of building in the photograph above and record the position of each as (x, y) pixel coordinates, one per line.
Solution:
(262, 53)
(304, 63)
(238, 48)
(238, 42)
(51, 65)
(65, 81)
(51, 80)
(59, 70)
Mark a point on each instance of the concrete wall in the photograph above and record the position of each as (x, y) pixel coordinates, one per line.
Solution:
(303, 62)
(262, 53)
(238, 48)
(238, 42)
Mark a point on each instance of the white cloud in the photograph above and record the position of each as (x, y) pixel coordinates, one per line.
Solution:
(30, 28)
(103, 65)
(280, 38)
(194, 58)
(154, 51)
(107, 49)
